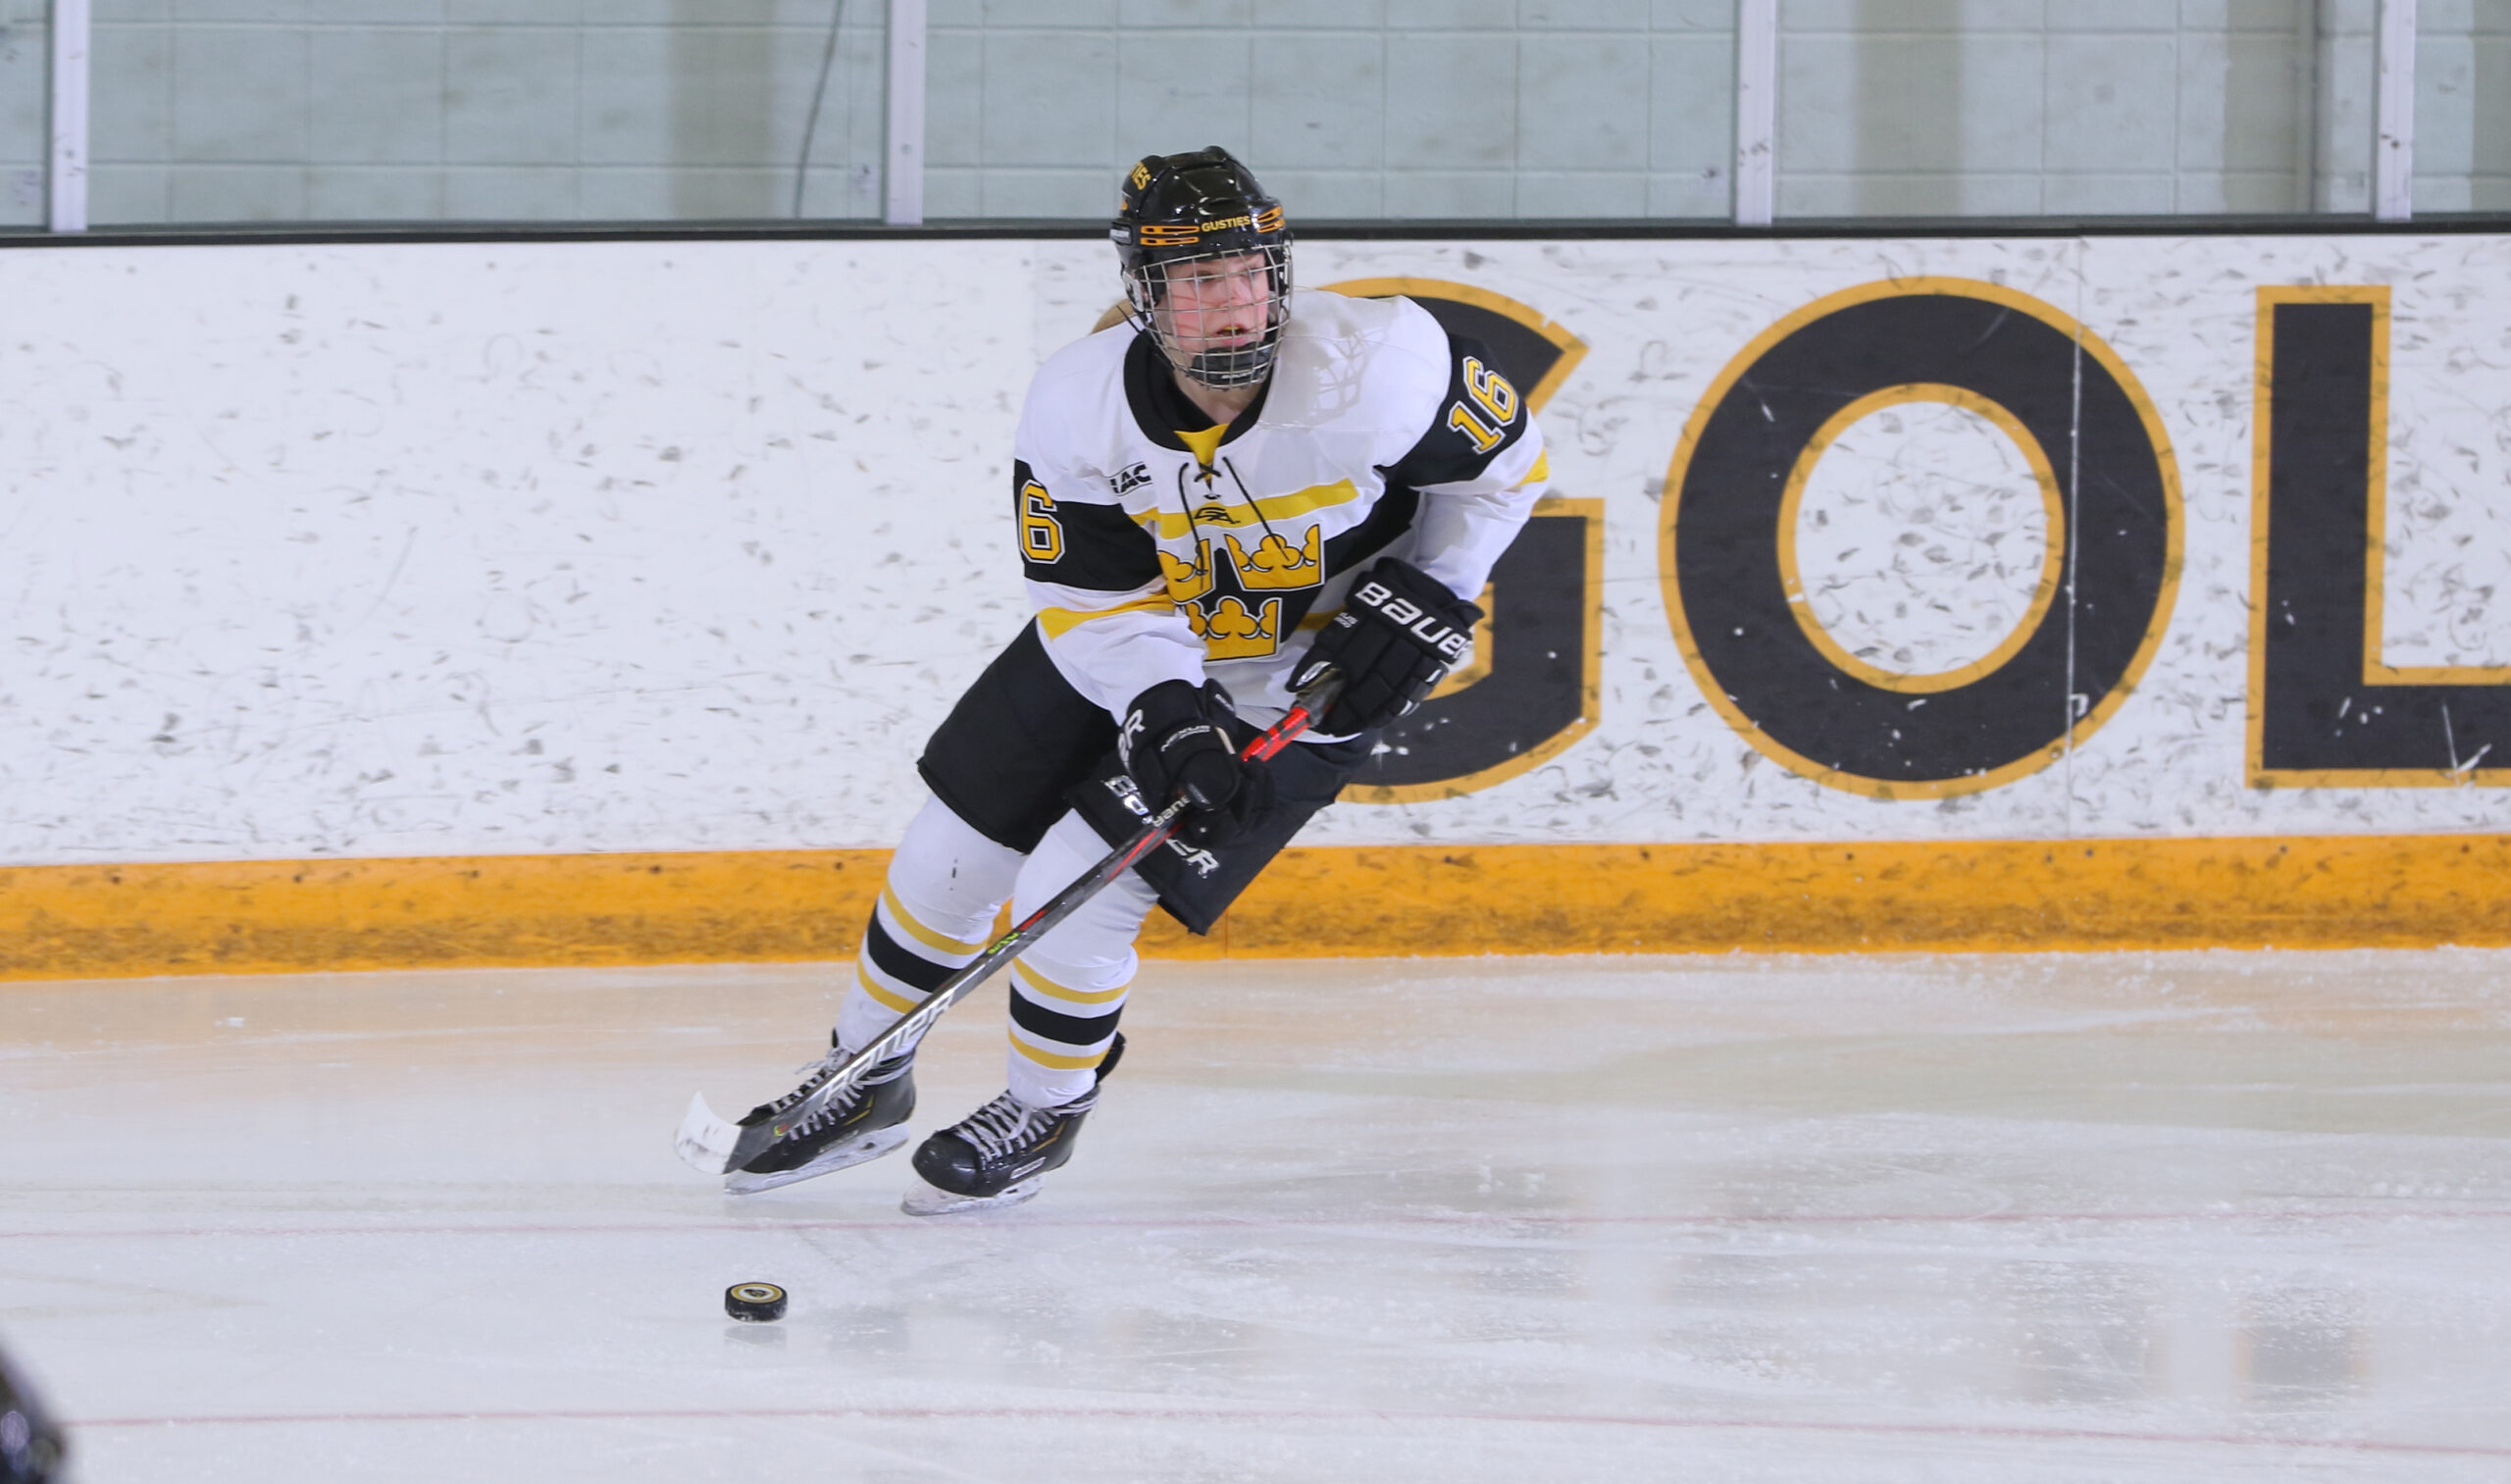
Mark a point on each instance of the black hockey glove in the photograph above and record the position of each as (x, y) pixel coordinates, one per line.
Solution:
(1398, 632)
(1176, 741)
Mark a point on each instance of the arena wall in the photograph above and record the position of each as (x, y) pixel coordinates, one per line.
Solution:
(384, 604)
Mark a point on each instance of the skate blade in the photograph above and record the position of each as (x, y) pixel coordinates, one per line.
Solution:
(926, 1199)
(704, 1140)
(835, 1156)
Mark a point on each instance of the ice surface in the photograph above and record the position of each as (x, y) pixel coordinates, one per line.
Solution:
(2198, 1217)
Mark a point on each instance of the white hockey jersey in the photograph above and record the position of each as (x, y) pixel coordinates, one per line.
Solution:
(1156, 547)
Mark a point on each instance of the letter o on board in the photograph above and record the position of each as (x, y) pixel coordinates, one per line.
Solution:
(1750, 444)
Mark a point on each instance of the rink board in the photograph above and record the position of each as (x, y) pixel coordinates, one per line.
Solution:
(2300, 891)
(589, 602)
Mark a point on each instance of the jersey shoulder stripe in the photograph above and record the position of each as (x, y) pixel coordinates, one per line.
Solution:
(1480, 416)
(1079, 543)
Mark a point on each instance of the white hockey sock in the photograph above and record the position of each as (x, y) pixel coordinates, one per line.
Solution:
(937, 909)
(1069, 989)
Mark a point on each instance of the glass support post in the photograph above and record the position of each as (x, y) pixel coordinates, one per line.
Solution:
(1755, 110)
(66, 153)
(2393, 114)
(902, 192)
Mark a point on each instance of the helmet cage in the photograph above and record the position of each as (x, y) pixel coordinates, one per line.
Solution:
(1147, 284)
(1177, 217)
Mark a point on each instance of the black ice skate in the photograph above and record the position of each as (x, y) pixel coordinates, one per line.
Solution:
(862, 1124)
(1001, 1154)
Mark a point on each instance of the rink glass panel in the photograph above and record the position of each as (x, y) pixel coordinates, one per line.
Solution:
(1448, 111)
(25, 45)
(1559, 109)
(1939, 110)
(2463, 107)
(332, 112)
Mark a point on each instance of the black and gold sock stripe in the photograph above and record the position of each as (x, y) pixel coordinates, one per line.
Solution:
(1057, 1026)
(903, 961)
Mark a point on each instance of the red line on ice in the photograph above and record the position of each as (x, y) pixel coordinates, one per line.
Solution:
(1306, 1415)
(767, 1222)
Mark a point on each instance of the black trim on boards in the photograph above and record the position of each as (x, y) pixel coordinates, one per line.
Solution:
(1897, 228)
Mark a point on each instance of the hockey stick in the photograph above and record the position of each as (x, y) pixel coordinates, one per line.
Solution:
(719, 1148)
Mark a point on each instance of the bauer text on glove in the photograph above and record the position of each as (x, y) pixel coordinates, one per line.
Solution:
(1399, 632)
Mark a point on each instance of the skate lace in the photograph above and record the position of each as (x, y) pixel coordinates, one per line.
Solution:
(836, 1107)
(1003, 1126)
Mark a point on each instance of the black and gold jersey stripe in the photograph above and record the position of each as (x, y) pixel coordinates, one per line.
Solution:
(1482, 416)
(1078, 544)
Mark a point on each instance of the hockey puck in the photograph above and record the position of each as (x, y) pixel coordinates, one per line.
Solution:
(757, 1303)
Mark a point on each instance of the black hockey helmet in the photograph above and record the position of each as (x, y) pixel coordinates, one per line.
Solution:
(1177, 213)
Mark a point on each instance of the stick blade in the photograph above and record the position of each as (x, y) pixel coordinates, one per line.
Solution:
(706, 1142)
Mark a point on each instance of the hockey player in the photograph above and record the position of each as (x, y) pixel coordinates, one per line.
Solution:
(1214, 501)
